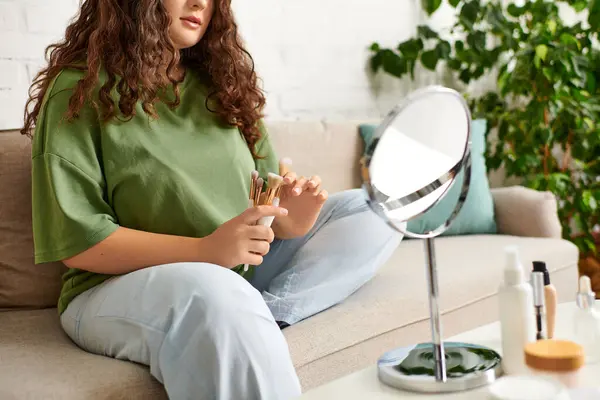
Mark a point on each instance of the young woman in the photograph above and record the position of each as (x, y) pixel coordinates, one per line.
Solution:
(147, 127)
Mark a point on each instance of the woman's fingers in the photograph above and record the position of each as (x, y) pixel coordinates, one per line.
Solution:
(314, 182)
(259, 247)
(289, 178)
(252, 215)
(260, 232)
(300, 186)
(322, 197)
(296, 185)
(314, 185)
(253, 259)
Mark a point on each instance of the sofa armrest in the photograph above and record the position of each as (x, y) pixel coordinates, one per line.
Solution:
(526, 212)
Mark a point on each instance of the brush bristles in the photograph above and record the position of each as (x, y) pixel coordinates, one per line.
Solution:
(253, 185)
(274, 183)
(274, 180)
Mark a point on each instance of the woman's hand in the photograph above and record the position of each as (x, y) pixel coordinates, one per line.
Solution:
(239, 240)
(303, 198)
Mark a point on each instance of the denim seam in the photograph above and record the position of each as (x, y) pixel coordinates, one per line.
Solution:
(353, 211)
(290, 317)
(81, 311)
(289, 312)
(136, 321)
(187, 372)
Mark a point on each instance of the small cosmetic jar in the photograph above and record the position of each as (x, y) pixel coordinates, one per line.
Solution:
(558, 359)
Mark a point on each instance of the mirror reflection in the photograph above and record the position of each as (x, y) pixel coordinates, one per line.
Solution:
(417, 151)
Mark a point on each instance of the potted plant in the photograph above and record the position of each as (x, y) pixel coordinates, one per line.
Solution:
(543, 111)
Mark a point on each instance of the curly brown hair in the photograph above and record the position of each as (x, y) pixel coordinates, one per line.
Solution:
(129, 40)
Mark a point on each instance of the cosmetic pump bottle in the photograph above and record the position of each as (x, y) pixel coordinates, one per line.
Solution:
(517, 323)
(539, 305)
(587, 321)
(550, 298)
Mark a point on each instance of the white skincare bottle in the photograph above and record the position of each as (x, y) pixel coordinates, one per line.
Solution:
(517, 321)
(587, 321)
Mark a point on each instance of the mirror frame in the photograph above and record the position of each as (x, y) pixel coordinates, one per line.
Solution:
(378, 201)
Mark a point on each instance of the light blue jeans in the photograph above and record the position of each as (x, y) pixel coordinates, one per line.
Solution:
(207, 333)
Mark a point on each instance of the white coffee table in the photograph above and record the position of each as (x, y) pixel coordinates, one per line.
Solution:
(364, 385)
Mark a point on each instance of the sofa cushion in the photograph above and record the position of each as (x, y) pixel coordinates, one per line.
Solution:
(22, 283)
(521, 211)
(328, 149)
(477, 214)
(38, 361)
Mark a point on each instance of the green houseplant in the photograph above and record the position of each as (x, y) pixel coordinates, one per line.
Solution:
(543, 110)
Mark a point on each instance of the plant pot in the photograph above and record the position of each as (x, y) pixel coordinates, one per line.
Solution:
(590, 265)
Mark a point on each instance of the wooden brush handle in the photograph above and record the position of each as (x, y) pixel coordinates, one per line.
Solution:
(270, 196)
(257, 194)
(284, 168)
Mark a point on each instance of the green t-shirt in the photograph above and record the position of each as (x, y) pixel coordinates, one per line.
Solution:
(184, 174)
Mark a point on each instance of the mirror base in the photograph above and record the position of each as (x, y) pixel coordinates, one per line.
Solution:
(412, 368)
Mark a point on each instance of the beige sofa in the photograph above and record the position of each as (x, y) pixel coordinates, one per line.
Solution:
(37, 361)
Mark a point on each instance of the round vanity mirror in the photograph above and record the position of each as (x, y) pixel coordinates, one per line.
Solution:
(416, 154)
(413, 159)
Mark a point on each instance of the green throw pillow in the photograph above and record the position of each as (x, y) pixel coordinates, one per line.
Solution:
(477, 214)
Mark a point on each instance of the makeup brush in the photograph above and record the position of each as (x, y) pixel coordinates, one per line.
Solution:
(254, 177)
(274, 183)
(284, 168)
(253, 197)
(253, 188)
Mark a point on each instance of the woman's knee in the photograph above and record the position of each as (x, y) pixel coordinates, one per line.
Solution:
(157, 296)
(212, 288)
(348, 202)
(216, 313)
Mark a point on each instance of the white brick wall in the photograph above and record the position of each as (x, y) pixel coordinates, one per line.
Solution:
(26, 28)
(311, 54)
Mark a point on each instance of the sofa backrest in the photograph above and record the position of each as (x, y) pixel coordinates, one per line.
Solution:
(330, 150)
(22, 283)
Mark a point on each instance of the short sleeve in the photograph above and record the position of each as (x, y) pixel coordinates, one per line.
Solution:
(268, 161)
(70, 210)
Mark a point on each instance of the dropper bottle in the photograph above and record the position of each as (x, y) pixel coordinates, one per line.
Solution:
(587, 321)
